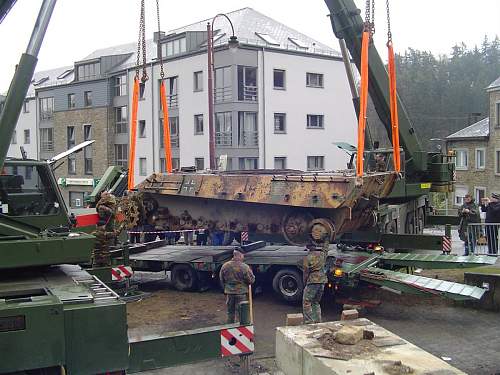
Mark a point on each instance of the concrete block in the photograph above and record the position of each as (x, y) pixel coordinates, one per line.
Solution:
(298, 354)
(294, 319)
(349, 315)
(349, 335)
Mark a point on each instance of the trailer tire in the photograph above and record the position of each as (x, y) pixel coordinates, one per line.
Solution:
(184, 277)
(287, 283)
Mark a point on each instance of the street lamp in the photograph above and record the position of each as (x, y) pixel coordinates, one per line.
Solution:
(233, 46)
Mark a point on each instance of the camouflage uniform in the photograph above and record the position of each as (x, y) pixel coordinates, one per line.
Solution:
(105, 233)
(315, 278)
(235, 276)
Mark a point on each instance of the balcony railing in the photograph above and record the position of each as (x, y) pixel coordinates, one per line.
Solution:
(248, 94)
(223, 94)
(249, 139)
(173, 101)
(46, 115)
(223, 138)
(46, 146)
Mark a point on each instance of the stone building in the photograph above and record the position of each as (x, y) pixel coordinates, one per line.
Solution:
(477, 150)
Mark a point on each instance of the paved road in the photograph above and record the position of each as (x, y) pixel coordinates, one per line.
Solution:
(471, 338)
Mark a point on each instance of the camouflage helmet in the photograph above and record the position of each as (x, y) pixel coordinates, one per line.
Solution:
(107, 199)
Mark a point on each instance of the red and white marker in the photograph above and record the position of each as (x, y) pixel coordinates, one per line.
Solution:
(120, 272)
(234, 341)
(446, 244)
(244, 236)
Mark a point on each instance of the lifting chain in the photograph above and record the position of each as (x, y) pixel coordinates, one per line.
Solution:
(369, 24)
(141, 42)
(162, 73)
(389, 33)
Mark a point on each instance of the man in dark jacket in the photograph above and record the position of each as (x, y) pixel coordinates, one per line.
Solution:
(492, 209)
(236, 276)
(468, 213)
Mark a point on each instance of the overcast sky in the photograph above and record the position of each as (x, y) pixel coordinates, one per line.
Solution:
(80, 26)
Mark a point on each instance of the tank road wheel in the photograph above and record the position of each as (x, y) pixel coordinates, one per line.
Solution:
(322, 228)
(287, 283)
(184, 277)
(295, 227)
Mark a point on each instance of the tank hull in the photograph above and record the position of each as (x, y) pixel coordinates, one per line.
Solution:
(262, 203)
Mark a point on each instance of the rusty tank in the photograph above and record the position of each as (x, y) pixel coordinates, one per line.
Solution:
(284, 204)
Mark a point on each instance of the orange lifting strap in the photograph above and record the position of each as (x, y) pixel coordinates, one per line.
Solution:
(394, 108)
(166, 128)
(363, 101)
(133, 134)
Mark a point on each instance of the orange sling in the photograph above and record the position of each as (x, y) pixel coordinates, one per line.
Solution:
(394, 108)
(133, 134)
(363, 101)
(166, 128)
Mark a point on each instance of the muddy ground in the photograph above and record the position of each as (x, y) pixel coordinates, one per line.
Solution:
(471, 338)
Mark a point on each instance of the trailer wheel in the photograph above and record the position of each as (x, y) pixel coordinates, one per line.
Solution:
(184, 277)
(287, 283)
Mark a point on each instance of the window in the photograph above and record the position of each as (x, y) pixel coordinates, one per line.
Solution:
(163, 165)
(71, 101)
(268, 39)
(198, 81)
(46, 139)
(46, 108)
(248, 132)
(315, 121)
(26, 107)
(460, 192)
(143, 170)
(223, 129)
(247, 83)
(462, 159)
(89, 71)
(223, 91)
(279, 79)
(497, 161)
(29, 172)
(199, 163)
(174, 131)
(171, 90)
(70, 139)
(498, 115)
(279, 123)
(479, 193)
(13, 140)
(76, 199)
(121, 155)
(87, 98)
(198, 124)
(174, 47)
(280, 162)
(248, 163)
(142, 128)
(121, 122)
(480, 158)
(314, 80)
(40, 81)
(71, 164)
(315, 163)
(176, 163)
(121, 85)
(142, 90)
(27, 138)
(87, 152)
(65, 74)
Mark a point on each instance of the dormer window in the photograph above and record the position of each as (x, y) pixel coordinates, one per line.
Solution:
(89, 71)
(268, 39)
(174, 47)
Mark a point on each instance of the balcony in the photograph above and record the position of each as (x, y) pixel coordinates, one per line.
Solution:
(223, 138)
(249, 139)
(46, 146)
(223, 94)
(173, 101)
(248, 93)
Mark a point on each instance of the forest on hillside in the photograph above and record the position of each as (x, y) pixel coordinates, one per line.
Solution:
(444, 94)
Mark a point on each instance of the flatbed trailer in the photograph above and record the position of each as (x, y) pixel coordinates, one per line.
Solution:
(195, 268)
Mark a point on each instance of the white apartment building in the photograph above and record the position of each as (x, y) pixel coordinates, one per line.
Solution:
(281, 100)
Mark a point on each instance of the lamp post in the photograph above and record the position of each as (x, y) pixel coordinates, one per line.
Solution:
(233, 45)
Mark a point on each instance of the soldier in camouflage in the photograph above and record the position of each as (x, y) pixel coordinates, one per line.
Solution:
(314, 277)
(235, 276)
(105, 232)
